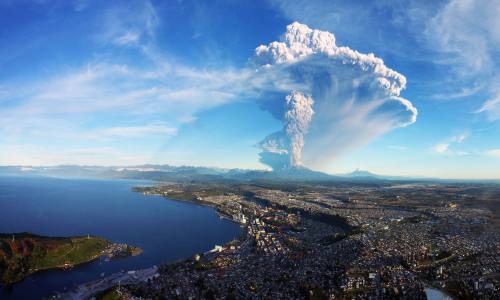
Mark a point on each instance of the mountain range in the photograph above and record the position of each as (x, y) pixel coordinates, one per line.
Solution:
(180, 173)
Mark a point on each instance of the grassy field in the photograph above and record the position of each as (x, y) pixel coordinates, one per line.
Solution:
(26, 254)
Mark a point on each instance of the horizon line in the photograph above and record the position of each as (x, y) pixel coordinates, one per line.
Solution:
(402, 177)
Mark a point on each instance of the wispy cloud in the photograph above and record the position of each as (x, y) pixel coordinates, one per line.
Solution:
(469, 33)
(130, 132)
(178, 92)
(441, 148)
(36, 155)
(129, 24)
(491, 107)
(107, 99)
(445, 147)
(80, 5)
(493, 153)
(128, 38)
(462, 93)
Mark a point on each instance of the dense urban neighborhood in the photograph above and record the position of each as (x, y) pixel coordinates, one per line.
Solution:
(334, 241)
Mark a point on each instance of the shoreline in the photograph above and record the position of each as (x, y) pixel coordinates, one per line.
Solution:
(300, 233)
(89, 289)
(23, 242)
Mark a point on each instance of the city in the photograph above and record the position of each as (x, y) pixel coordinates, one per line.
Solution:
(270, 149)
(330, 242)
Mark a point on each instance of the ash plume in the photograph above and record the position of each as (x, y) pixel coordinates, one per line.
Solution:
(298, 115)
(330, 99)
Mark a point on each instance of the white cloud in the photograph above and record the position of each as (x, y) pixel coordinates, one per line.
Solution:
(460, 138)
(445, 147)
(128, 38)
(441, 148)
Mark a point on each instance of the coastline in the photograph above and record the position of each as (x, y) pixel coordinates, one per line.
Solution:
(132, 223)
(43, 253)
(294, 232)
(89, 289)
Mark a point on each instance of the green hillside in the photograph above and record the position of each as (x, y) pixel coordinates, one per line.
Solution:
(24, 254)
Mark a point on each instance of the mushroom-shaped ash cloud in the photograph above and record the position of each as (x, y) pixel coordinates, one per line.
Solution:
(329, 98)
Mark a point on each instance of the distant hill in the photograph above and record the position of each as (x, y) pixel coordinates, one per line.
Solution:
(206, 174)
(360, 173)
(290, 174)
(166, 172)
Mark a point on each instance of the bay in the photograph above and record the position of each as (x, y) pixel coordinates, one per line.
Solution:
(167, 230)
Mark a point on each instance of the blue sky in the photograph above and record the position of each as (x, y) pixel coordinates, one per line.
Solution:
(180, 82)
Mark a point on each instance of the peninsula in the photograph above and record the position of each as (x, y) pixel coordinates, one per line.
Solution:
(23, 254)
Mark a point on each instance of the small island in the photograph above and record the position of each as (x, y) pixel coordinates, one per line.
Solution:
(23, 254)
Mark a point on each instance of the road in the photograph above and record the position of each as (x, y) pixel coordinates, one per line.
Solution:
(87, 290)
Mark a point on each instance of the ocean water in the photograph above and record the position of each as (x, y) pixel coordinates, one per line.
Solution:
(167, 230)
